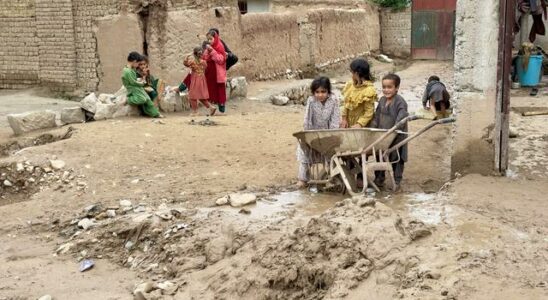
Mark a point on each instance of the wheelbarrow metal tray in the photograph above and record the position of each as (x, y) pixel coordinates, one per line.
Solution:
(333, 141)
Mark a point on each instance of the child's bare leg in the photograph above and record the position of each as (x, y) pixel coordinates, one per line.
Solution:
(304, 175)
(194, 107)
(211, 108)
(433, 108)
(443, 109)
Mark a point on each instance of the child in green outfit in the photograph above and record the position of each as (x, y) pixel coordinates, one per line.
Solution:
(136, 94)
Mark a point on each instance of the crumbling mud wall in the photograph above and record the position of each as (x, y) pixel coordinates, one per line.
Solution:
(475, 84)
(19, 55)
(79, 45)
(396, 32)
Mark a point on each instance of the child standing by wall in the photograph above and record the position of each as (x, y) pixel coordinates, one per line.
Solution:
(391, 109)
(359, 96)
(197, 90)
(322, 112)
(136, 94)
(436, 97)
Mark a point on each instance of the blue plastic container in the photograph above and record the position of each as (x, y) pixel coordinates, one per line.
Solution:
(530, 76)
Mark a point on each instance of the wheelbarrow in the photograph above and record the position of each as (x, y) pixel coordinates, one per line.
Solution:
(345, 153)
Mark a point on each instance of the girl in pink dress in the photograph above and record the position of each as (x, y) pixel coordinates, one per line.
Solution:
(197, 91)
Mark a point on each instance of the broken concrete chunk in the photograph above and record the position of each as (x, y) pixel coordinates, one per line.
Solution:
(46, 297)
(104, 111)
(89, 103)
(72, 115)
(171, 102)
(26, 122)
(238, 87)
(238, 200)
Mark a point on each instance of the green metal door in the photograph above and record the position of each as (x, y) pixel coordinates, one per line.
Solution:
(424, 36)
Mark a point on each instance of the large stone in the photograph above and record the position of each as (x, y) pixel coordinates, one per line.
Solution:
(72, 115)
(104, 111)
(171, 102)
(238, 199)
(123, 109)
(25, 122)
(280, 100)
(106, 98)
(238, 87)
(89, 103)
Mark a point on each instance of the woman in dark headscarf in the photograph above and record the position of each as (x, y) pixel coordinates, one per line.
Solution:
(215, 73)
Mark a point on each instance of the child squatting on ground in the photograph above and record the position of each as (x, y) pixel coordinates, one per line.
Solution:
(322, 112)
(391, 109)
(436, 93)
(136, 94)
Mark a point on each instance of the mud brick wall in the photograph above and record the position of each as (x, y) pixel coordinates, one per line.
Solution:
(62, 44)
(333, 41)
(55, 33)
(19, 49)
(396, 32)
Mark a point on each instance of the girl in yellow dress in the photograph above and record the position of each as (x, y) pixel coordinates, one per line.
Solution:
(359, 97)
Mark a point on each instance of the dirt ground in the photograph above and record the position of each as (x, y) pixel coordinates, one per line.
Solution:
(471, 237)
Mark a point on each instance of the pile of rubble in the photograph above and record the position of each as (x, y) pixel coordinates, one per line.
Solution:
(26, 177)
(109, 106)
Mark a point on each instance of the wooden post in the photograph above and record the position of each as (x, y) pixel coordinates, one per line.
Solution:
(502, 116)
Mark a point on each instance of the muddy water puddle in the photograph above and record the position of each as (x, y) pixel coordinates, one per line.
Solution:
(428, 208)
(299, 204)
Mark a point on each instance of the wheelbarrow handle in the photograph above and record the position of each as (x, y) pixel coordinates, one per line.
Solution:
(447, 120)
(416, 134)
(390, 131)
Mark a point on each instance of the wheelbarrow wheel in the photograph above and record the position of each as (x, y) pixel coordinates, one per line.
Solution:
(338, 185)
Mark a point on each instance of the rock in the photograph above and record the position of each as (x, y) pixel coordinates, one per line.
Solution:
(417, 230)
(106, 98)
(104, 111)
(123, 109)
(238, 87)
(238, 199)
(26, 122)
(64, 248)
(139, 209)
(279, 100)
(366, 201)
(513, 133)
(384, 58)
(7, 183)
(135, 181)
(86, 223)
(245, 211)
(142, 217)
(111, 213)
(139, 296)
(19, 167)
(171, 102)
(222, 201)
(46, 297)
(57, 164)
(125, 203)
(89, 103)
(73, 115)
(121, 92)
(145, 287)
(168, 287)
(92, 210)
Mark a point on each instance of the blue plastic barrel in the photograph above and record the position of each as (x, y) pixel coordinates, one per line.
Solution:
(530, 76)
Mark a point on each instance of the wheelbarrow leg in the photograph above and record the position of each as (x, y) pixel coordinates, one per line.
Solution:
(390, 172)
(367, 180)
(346, 177)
